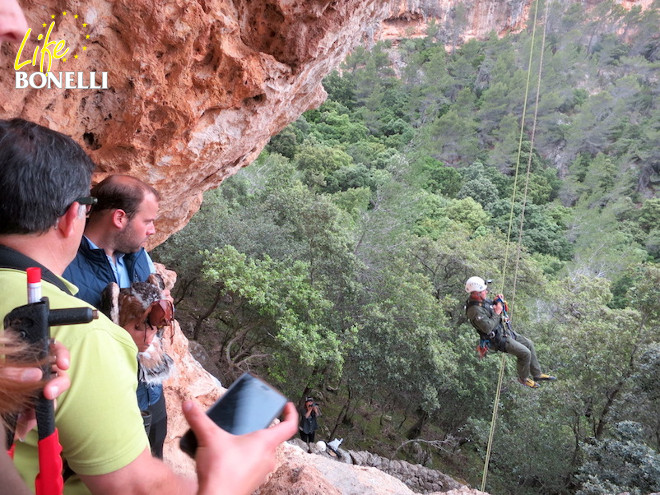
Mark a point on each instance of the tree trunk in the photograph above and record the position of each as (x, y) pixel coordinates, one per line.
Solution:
(416, 430)
(343, 412)
(209, 312)
(602, 422)
(183, 290)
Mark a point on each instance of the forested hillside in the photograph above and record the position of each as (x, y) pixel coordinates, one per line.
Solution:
(334, 265)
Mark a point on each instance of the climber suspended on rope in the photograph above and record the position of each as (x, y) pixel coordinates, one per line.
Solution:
(491, 321)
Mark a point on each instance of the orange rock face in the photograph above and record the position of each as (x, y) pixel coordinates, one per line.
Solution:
(195, 89)
(462, 20)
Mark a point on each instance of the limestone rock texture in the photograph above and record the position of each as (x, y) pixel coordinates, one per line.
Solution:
(457, 21)
(463, 20)
(301, 473)
(196, 87)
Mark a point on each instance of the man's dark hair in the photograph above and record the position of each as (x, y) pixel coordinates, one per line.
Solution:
(42, 172)
(122, 192)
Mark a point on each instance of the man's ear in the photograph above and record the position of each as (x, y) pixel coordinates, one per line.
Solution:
(119, 218)
(67, 222)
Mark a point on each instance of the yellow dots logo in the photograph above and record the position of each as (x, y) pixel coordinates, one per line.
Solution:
(52, 49)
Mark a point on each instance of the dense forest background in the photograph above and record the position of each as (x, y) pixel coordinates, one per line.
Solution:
(334, 265)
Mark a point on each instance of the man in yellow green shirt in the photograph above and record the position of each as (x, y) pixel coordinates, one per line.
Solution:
(45, 179)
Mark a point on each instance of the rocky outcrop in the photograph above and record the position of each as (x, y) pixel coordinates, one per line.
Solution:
(461, 21)
(195, 88)
(303, 473)
(419, 478)
(457, 22)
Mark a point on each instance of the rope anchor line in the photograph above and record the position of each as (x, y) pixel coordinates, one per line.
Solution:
(496, 402)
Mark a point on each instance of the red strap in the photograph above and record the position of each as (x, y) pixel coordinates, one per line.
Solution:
(49, 480)
(11, 450)
(482, 351)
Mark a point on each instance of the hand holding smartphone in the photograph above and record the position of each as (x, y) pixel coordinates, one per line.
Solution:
(248, 405)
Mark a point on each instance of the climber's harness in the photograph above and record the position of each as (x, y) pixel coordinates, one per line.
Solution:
(496, 339)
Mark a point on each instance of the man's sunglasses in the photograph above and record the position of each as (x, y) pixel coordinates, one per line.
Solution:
(88, 201)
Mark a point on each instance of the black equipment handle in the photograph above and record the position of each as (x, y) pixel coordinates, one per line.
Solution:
(32, 322)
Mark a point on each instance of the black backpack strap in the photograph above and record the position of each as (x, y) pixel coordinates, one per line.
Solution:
(496, 331)
(469, 303)
(10, 258)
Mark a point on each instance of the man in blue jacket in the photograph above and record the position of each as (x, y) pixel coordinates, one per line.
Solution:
(112, 250)
(118, 227)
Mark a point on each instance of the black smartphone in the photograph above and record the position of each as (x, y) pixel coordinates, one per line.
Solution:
(248, 405)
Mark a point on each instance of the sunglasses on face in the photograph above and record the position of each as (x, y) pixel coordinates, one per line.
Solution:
(88, 201)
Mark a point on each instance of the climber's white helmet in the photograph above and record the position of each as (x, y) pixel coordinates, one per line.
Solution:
(475, 284)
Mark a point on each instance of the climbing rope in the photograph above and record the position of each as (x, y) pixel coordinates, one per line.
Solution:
(496, 402)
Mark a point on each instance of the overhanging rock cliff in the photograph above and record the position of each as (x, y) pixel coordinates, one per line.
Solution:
(195, 88)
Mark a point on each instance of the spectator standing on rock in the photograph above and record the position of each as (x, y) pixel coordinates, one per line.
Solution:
(308, 423)
(112, 251)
